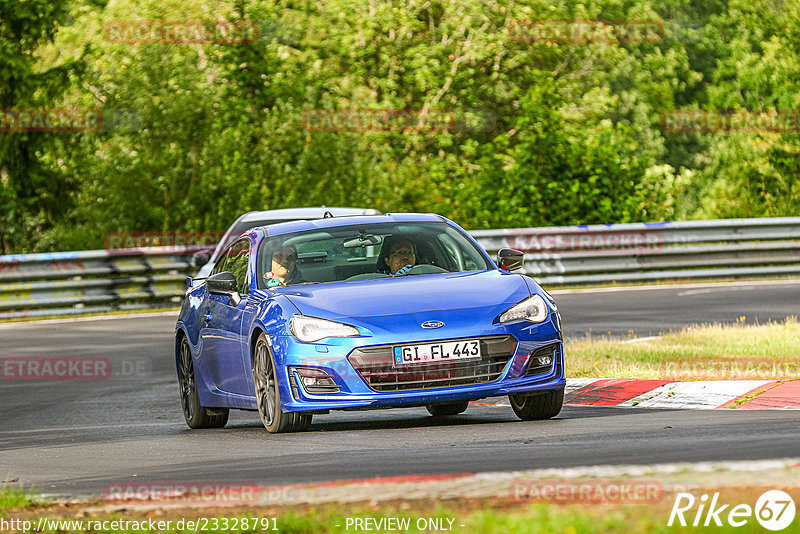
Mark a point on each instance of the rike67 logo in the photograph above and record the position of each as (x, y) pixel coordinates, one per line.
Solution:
(774, 510)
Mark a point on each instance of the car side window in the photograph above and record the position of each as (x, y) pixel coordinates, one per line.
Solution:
(219, 267)
(239, 256)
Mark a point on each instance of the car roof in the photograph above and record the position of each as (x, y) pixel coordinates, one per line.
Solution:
(333, 222)
(304, 213)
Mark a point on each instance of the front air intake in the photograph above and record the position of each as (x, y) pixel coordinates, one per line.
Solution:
(376, 367)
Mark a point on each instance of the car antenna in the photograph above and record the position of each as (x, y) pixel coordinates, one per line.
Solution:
(327, 215)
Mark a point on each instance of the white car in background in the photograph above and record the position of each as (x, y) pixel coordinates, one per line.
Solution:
(252, 219)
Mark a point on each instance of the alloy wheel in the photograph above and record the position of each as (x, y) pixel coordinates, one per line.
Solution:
(265, 383)
(186, 381)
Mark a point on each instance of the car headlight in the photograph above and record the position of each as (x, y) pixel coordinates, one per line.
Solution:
(531, 309)
(308, 329)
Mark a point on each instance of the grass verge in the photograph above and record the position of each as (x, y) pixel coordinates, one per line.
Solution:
(487, 516)
(11, 498)
(709, 352)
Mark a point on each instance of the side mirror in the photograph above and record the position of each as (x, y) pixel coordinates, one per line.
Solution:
(510, 259)
(224, 284)
(200, 258)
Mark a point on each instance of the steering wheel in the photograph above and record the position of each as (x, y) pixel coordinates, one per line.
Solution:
(425, 268)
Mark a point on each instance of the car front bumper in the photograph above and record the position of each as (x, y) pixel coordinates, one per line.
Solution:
(354, 392)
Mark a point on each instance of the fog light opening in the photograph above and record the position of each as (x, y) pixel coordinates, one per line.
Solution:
(315, 380)
(540, 361)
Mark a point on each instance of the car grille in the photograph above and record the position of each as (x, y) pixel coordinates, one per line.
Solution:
(376, 366)
(535, 369)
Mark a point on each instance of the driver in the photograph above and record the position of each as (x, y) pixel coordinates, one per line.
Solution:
(401, 256)
(284, 267)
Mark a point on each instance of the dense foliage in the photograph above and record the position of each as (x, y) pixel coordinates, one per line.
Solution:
(545, 133)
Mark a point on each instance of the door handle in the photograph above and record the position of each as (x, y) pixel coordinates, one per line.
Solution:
(207, 318)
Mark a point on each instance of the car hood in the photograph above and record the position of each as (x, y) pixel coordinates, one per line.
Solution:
(410, 296)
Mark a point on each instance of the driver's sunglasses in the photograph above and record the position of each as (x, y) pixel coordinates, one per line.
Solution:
(404, 252)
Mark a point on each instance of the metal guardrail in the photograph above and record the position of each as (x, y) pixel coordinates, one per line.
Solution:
(642, 252)
(63, 283)
(100, 280)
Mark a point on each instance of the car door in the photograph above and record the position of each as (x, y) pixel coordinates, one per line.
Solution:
(207, 366)
(222, 324)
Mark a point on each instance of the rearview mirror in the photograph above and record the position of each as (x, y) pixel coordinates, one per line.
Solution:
(363, 241)
(510, 259)
(224, 284)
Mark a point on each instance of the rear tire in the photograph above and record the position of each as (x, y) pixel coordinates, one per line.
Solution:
(196, 415)
(447, 408)
(541, 406)
(268, 395)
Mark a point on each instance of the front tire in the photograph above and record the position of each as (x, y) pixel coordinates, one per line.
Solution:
(195, 414)
(268, 396)
(447, 408)
(536, 407)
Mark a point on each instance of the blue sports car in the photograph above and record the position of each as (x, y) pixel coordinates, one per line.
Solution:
(362, 312)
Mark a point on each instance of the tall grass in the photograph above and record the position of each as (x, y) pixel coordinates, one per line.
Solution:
(734, 351)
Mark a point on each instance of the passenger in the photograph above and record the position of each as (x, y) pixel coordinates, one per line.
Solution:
(284, 267)
(398, 254)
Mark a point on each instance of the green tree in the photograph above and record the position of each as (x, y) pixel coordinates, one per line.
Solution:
(33, 192)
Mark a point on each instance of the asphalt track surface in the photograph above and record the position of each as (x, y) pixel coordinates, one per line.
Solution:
(74, 437)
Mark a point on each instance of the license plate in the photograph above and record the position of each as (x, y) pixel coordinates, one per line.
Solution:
(437, 352)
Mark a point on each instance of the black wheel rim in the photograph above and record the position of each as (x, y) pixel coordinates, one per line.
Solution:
(265, 384)
(186, 381)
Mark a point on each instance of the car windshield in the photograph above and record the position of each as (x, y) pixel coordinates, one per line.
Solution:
(366, 251)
